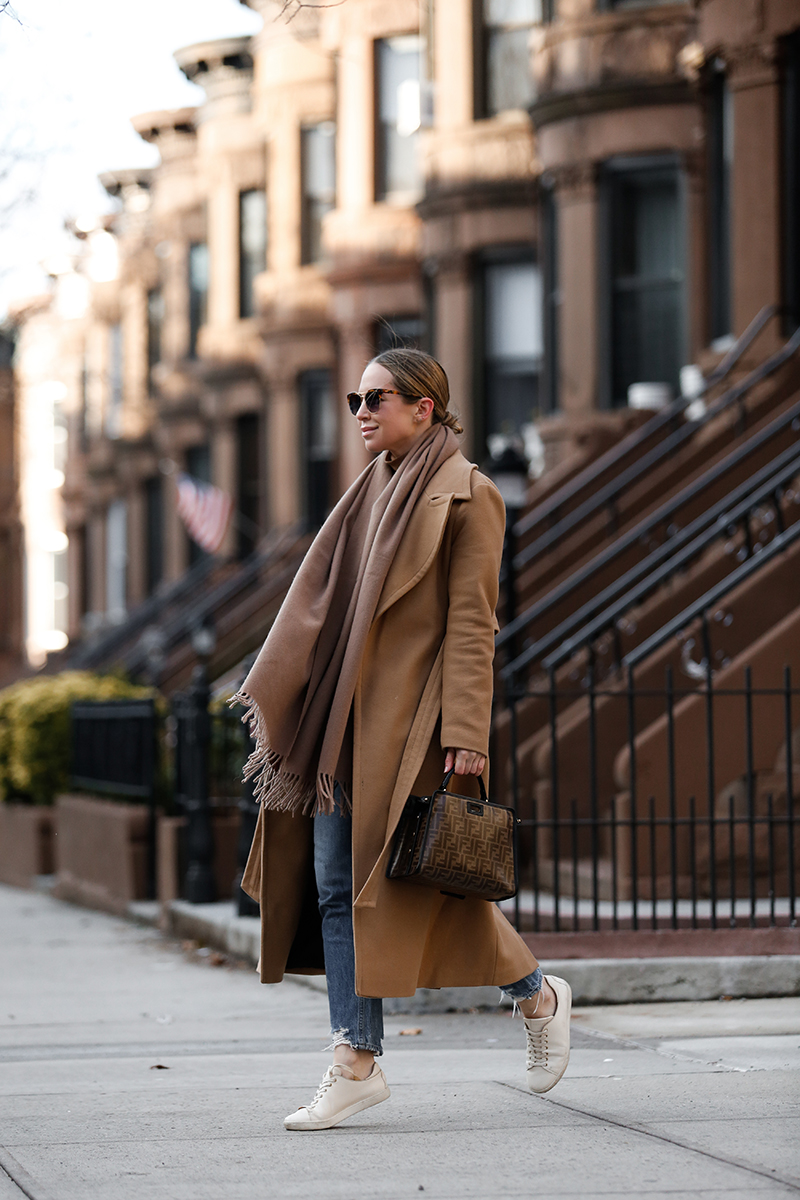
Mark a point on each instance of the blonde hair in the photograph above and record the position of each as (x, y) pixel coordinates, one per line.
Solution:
(418, 374)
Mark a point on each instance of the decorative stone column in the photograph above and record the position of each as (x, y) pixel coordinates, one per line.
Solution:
(576, 200)
(753, 78)
(283, 449)
(454, 325)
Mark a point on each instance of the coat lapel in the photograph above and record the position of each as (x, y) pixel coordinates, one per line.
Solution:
(425, 529)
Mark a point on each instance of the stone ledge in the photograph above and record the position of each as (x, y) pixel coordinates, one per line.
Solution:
(593, 980)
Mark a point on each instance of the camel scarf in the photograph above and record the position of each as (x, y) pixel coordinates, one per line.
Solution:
(300, 690)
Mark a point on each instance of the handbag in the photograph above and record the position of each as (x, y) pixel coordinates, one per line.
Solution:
(460, 845)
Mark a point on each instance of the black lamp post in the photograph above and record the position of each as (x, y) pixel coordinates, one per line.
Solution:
(194, 737)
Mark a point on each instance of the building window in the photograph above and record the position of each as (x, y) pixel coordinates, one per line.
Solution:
(318, 169)
(116, 561)
(644, 244)
(198, 465)
(113, 422)
(252, 246)
(155, 321)
(395, 332)
(154, 518)
(513, 345)
(60, 592)
(248, 454)
(198, 292)
(790, 137)
(504, 75)
(551, 298)
(397, 92)
(720, 161)
(318, 444)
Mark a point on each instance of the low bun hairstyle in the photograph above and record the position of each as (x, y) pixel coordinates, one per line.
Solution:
(419, 374)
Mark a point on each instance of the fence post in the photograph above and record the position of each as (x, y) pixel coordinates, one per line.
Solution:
(193, 740)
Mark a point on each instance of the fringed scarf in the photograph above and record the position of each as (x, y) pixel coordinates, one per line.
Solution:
(300, 690)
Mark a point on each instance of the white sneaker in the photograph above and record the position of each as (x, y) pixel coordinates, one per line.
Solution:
(339, 1097)
(548, 1040)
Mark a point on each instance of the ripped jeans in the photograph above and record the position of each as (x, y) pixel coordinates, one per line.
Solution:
(356, 1021)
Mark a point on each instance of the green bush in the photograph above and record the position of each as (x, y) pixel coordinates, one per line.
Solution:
(35, 729)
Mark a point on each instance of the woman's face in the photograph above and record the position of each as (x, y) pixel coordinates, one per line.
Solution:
(397, 423)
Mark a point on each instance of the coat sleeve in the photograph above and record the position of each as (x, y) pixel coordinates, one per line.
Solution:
(473, 583)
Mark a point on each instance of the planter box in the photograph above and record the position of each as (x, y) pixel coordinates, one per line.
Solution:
(26, 843)
(101, 852)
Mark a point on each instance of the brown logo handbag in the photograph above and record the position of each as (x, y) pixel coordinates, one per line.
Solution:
(460, 845)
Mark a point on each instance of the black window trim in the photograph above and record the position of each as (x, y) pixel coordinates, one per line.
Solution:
(620, 164)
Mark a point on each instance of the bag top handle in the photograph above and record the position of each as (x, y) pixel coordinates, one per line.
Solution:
(450, 775)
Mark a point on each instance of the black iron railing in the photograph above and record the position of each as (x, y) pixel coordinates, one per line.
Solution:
(607, 495)
(114, 753)
(660, 808)
(763, 497)
(586, 482)
(664, 526)
(661, 525)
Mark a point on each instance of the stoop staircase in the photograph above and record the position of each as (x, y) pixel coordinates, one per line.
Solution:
(238, 600)
(648, 718)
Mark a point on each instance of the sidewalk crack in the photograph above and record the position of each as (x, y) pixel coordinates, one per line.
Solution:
(635, 1127)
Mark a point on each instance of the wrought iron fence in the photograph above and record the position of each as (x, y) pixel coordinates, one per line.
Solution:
(114, 753)
(646, 807)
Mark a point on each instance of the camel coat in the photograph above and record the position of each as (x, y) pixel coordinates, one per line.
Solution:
(425, 684)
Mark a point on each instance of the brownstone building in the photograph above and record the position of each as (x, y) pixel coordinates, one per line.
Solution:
(561, 198)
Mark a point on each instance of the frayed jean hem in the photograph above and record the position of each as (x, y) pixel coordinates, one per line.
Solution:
(524, 989)
(343, 1037)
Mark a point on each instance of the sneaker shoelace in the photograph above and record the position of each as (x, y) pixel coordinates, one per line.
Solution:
(327, 1083)
(537, 1048)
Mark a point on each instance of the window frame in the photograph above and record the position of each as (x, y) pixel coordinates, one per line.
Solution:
(481, 39)
(307, 200)
(719, 189)
(381, 192)
(313, 515)
(551, 297)
(198, 298)
(610, 171)
(154, 528)
(250, 270)
(522, 252)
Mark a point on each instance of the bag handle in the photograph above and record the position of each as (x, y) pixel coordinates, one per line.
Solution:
(450, 775)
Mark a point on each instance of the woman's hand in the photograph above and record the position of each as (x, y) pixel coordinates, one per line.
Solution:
(466, 762)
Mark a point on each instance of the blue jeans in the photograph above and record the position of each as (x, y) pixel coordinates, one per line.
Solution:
(356, 1021)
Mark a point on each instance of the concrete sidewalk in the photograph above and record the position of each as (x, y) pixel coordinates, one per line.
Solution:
(133, 1069)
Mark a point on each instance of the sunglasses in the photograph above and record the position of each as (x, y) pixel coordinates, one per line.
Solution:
(372, 398)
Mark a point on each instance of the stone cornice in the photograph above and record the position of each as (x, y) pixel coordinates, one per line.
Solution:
(224, 69)
(472, 195)
(562, 106)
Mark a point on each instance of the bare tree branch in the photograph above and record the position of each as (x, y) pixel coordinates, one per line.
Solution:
(5, 8)
(290, 8)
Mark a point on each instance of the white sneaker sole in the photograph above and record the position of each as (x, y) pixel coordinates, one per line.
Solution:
(350, 1111)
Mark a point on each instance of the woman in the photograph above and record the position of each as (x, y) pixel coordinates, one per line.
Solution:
(375, 679)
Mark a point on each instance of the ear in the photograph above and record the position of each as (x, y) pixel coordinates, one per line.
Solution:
(425, 407)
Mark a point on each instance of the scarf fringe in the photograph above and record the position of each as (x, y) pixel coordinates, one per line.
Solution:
(276, 789)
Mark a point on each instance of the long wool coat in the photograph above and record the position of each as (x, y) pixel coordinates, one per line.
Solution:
(425, 684)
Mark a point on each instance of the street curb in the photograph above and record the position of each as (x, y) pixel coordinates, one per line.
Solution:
(593, 980)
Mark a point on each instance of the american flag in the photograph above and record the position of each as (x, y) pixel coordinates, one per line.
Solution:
(205, 511)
